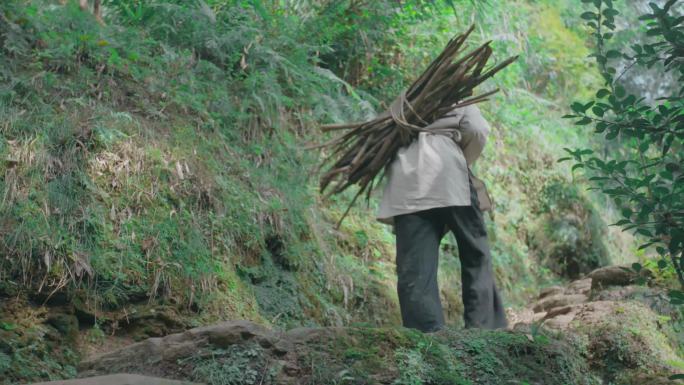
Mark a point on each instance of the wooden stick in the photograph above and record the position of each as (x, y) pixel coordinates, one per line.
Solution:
(339, 126)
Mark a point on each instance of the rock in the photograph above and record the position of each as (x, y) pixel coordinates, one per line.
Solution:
(228, 333)
(655, 298)
(620, 337)
(85, 311)
(66, 324)
(580, 286)
(519, 316)
(617, 324)
(244, 352)
(560, 322)
(591, 313)
(560, 318)
(558, 311)
(551, 290)
(611, 276)
(631, 378)
(617, 293)
(558, 300)
(145, 321)
(282, 347)
(118, 379)
(536, 317)
(302, 335)
(156, 351)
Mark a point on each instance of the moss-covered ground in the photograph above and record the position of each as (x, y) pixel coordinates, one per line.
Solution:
(361, 355)
(459, 357)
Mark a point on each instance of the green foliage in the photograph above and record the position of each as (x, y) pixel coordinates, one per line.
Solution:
(366, 40)
(30, 349)
(412, 367)
(643, 175)
(570, 231)
(639, 166)
(459, 357)
(169, 147)
(235, 365)
(564, 70)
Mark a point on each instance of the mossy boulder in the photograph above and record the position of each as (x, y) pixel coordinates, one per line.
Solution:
(612, 276)
(628, 340)
(621, 339)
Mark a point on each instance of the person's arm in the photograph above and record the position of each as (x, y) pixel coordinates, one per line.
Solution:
(474, 130)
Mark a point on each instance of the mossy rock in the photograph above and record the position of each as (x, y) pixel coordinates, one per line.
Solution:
(402, 356)
(622, 337)
(66, 325)
(35, 346)
(634, 377)
(240, 352)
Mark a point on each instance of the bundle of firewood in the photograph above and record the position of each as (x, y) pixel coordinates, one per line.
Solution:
(364, 151)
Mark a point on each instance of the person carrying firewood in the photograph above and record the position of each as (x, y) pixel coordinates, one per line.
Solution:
(430, 190)
(426, 142)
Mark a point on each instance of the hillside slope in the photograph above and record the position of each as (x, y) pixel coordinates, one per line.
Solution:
(154, 177)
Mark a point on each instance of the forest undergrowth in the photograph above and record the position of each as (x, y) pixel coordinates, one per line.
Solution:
(154, 158)
(156, 165)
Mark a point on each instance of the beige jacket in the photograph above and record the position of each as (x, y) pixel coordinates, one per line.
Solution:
(432, 171)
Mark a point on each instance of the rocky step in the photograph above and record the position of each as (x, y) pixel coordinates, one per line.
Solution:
(241, 352)
(616, 283)
(598, 343)
(618, 322)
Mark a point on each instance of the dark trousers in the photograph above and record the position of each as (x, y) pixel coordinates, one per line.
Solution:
(418, 238)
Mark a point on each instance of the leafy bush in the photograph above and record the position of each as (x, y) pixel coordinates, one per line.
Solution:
(168, 143)
(641, 165)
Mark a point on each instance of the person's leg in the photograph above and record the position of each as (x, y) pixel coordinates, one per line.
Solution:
(481, 301)
(418, 236)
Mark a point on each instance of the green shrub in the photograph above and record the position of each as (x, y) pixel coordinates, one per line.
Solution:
(643, 135)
